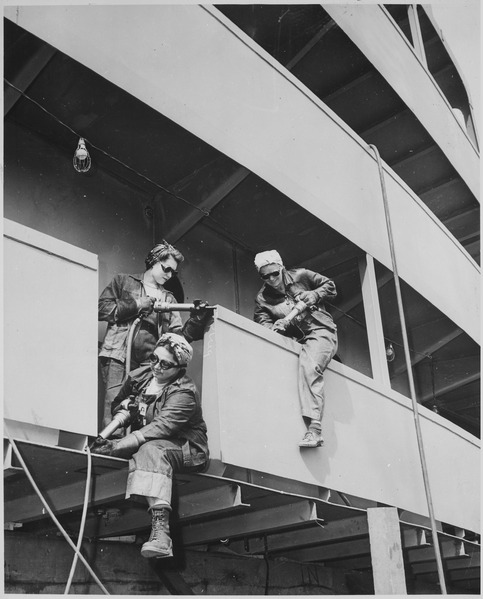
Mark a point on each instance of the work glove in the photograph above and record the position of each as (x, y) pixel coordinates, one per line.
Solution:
(200, 311)
(280, 326)
(308, 297)
(127, 404)
(145, 305)
(122, 448)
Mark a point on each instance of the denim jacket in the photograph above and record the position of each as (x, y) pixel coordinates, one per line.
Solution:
(271, 305)
(117, 306)
(175, 412)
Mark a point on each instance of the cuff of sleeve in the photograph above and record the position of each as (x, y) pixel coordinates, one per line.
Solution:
(139, 436)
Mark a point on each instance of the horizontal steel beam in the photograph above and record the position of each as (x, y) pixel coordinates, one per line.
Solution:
(108, 487)
(331, 551)
(337, 530)
(462, 563)
(295, 514)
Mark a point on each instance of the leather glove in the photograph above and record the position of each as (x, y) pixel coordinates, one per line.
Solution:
(145, 305)
(200, 311)
(127, 404)
(308, 297)
(280, 326)
(122, 448)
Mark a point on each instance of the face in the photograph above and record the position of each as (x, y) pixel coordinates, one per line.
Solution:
(159, 370)
(163, 270)
(275, 272)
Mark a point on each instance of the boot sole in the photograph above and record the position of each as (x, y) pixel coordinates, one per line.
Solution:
(311, 446)
(149, 552)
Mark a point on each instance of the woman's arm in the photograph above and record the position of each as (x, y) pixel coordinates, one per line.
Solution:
(115, 303)
(174, 415)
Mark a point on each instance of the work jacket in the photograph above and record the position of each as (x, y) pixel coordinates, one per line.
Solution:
(174, 413)
(271, 304)
(117, 306)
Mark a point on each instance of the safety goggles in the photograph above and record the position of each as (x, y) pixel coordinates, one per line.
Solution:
(274, 274)
(168, 270)
(163, 364)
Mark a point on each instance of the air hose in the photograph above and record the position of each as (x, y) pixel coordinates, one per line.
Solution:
(56, 522)
(130, 337)
(83, 521)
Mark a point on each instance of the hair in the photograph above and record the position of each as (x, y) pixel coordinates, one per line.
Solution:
(161, 251)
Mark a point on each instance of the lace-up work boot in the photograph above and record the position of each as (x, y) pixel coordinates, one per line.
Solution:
(312, 438)
(159, 543)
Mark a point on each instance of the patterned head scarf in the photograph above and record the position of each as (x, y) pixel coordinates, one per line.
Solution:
(160, 252)
(178, 346)
(269, 257)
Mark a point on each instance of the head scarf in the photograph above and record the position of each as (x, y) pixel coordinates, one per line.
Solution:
(162, 251)
(178, 346)
(269, 257)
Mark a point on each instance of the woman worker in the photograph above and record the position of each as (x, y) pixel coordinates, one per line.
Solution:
(128, 297)
(313, 328)
(168, 433)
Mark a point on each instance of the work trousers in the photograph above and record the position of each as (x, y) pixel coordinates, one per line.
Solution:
(318, 348)
(152, 467)
(113, 372)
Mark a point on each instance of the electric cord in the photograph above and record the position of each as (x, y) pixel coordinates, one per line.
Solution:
(205, 212)
(83, 521)
(52, 515)
(171, 193)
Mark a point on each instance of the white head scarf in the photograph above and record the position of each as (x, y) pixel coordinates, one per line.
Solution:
(268, 257)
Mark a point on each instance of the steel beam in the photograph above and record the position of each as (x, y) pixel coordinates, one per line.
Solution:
(449, 549)
(108, 487)
(190, 190)
(27, 76)
(295, 514)
(330, 552)
(337, 530)
(374, 326)
(462, 563)
(210, 501)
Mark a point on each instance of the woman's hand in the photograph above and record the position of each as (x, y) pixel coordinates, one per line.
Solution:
(308, 297)
(145, 305)
(280, 325)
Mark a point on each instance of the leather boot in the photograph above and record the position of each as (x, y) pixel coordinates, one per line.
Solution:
(159, 544)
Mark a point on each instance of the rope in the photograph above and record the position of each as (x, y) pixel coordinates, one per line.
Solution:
(412, 388)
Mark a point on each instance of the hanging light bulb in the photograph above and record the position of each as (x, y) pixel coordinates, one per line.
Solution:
(81, 160)
(390, 353)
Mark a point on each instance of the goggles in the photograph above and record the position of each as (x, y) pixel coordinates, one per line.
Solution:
(163, 364)
(168, 270)
(274, 274)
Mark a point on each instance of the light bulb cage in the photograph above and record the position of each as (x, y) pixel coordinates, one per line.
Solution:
(82, 159)
(390, 353)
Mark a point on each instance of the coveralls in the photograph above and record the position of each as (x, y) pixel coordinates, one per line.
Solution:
(117, 306)
(315, 330)
(171, 435)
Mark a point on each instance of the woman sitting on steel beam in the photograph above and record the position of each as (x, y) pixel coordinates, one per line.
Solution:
(168, 433)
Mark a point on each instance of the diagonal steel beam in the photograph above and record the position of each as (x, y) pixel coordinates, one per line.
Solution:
(26, 76)
(189, 189)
